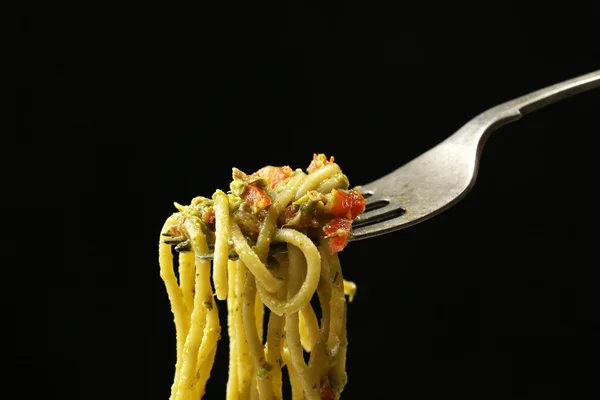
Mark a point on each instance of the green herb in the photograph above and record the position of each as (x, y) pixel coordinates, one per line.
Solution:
(238, 187)
(261, 182)
(263, 371)
(208, 304)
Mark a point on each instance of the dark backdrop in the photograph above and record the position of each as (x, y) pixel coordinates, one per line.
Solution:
(122, 110)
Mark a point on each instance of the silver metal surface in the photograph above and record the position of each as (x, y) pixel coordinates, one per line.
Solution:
(442, 176)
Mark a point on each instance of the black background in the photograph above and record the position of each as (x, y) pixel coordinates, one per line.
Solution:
(121, 110)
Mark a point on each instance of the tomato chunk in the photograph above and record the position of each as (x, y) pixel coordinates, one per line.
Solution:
(174, 230)
(256, 197)
(338, 231)
(326, 392)
(288, 214)
(347, 204)
(208, 216)
(274, 175)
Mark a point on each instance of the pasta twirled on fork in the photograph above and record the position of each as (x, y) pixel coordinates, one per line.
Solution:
(272, 205)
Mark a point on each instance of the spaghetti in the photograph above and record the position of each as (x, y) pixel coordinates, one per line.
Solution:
(272, 205)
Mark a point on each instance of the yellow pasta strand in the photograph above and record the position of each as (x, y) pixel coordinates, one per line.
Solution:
(253, 263)
(314, 179)
(221, 253)
(295, 383)
(292, 334)
(309, 327)
(337, 342)
(178, 308)
(204, 374)
(259, 313)
(257, 353)
(190, 366)
(318, 362)
(273, 352)
(349, 290)
(232, 381)
(308, 287)
(245, 366)
(186, 280)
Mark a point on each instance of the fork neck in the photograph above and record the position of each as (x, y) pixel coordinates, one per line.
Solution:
(478, 129)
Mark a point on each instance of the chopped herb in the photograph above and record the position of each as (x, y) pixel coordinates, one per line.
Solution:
(337, 273)
(263, 371)
(315, 386)
(208, 304)
(238, 187)
(167, 234)
(280, 362)
(262, 182)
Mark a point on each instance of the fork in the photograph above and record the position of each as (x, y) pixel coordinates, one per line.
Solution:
(442, 176)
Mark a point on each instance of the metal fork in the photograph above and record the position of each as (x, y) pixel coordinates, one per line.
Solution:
(442, 176)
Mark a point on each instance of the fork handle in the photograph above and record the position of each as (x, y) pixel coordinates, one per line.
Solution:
(490, 120)
(551, 94)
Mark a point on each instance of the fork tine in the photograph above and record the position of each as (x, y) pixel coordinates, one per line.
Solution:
(368, 230)
(380, 210)
(277, 248)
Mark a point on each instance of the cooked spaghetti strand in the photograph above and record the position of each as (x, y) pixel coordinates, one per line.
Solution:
(221, 254)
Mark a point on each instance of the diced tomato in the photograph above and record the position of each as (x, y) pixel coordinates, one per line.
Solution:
(288, 213)
(318, 161)
(274, 175)
(174, 230)
(256, 197)
(348, 204)
(327, 392)
(338, 230)
(208, 216)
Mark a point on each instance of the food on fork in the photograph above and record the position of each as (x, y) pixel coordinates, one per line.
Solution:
(271, 205)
